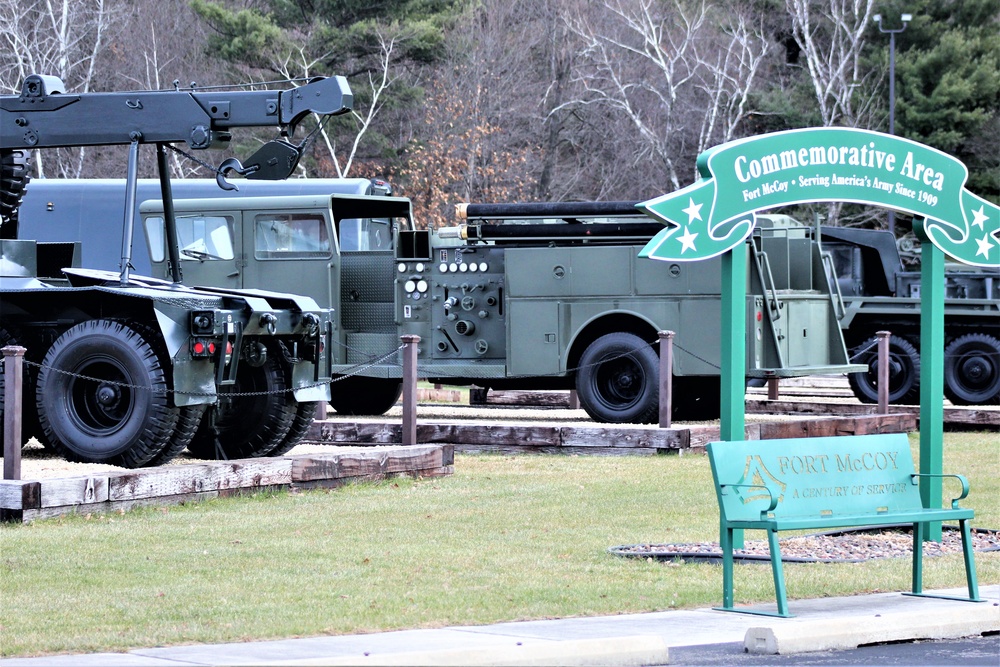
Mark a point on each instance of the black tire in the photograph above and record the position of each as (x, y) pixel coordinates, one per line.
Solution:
(364, 396)
(904, 371)
(617, 380)
(187, 425)
(304, 415)
(972, 370)
(125, 417)
(14, 177)
(249, 425)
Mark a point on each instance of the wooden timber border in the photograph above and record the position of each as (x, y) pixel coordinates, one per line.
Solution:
(810, 402)
(25, 500)
(519, 438)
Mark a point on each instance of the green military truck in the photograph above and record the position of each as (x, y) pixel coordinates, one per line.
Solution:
(879, 294)
(128, 369)
(520, 296)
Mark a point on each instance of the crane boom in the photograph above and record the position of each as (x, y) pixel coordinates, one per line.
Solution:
(44, 115)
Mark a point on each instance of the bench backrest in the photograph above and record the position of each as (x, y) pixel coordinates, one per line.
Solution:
(827, 476)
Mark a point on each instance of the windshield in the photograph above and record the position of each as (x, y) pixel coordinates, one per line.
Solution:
(200, 237)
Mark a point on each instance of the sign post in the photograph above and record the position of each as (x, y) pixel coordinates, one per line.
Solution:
(715, 216)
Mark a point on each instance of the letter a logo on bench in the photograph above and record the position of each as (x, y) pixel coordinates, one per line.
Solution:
(756, 473)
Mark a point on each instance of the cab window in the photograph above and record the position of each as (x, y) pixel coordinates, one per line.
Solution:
(290, 236)
(357, 234)
(199, 237)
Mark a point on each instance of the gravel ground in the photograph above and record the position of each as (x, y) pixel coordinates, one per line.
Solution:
(850, 546)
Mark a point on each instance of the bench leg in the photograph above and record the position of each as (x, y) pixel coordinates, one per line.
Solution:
(778, 572)
(919, 534)
(726, 538)
(726, 543)
(970, 564)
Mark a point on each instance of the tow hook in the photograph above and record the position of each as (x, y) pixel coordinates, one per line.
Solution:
(269, 321)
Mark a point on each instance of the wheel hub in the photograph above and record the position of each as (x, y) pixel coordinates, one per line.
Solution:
(107, 395)
(976, 370)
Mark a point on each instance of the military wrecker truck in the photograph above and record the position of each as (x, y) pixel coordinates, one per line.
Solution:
(520, 296)
(130, 370)
(879, 294)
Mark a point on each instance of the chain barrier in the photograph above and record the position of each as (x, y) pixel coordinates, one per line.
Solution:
(236, 394)
(375, 361)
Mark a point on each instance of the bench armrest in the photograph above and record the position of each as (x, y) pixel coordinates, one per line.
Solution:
(770, 494)
(961, 478)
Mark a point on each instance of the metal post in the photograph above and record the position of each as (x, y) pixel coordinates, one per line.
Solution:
(13, 357)
(883, 372)
(666, 376)
(773, 384)
(732, 423)
(905, 18)
(732, 420)
(410, 388)
(169, 217)
(892, 109)
(931, 378)
(131, 183)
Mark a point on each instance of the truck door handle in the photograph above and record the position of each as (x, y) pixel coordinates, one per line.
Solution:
(233, 274)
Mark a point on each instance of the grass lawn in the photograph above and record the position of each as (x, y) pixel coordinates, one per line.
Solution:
(505, 538)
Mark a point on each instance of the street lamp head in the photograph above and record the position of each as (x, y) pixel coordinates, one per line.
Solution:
(906, 18)
(877, 18)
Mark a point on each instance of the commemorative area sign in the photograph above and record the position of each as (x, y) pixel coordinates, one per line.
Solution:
(716, 214)
(739, 178)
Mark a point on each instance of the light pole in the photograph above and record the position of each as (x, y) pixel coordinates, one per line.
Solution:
(905, 18)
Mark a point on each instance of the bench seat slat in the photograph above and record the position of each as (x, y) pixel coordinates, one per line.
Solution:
(853, 520)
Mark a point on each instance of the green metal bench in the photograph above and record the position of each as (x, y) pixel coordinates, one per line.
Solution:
(822, 484)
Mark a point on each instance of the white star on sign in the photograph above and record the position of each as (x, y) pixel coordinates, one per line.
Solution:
(984, 247)
(687, 240)
(980, 218)
(693, 210)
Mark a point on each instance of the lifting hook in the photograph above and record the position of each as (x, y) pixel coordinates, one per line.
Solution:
(232, 164)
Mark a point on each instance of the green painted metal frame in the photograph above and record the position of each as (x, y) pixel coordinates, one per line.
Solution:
(932, 287)
(732, 418)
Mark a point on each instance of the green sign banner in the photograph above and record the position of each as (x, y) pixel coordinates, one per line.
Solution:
(739, 178)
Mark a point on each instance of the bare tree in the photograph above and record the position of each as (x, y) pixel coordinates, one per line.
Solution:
(62, 39)
(680, 81)
(831, 36)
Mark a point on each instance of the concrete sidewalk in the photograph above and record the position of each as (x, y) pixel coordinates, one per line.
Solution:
(634, 639)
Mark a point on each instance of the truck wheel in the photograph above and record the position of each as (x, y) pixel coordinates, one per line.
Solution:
(904, 371)
(364, 396)
(617, 380)
(304, 415)
(972, 370)
(100, 396)
(187, 425)
(252, 417)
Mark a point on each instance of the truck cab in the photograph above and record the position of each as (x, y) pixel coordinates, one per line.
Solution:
(337, 248)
